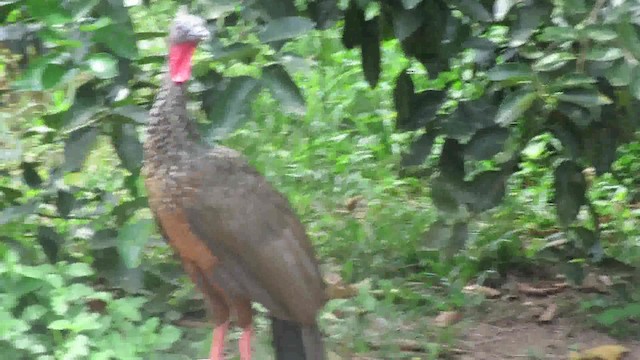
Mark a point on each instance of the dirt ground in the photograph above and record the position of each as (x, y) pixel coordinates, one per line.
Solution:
(512, 330)
(542, 320)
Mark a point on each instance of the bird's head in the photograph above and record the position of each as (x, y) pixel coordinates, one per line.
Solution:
(186, 32)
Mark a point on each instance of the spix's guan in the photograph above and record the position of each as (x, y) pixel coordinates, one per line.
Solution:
(237, 236)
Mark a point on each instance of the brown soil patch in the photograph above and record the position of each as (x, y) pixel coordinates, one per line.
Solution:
(509, 329)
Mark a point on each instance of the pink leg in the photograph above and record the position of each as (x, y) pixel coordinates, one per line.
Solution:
(217, 342)
(245, 343)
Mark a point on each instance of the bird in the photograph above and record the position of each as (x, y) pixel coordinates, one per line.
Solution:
(237, 237)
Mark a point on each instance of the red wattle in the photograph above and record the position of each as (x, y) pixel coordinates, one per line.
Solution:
(180, 61)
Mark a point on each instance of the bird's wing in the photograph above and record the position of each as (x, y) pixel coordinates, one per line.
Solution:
(263, 251)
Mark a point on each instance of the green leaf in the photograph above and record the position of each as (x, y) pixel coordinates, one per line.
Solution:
(511, 72)
(486, 143)
(109, 264)
(49, 11)
(77, 347)
(487, 190)
(579, 115)
(52, 75)
(558, 34)
(146, 35)
(50, 241)
(501, 8)
(61, 324)
(419, 150)
(527, 21)
(473, 9)
(133, 112)
(283, 89)
(128, 308)
(573, 80)
(553, 61)
(403, 93)
(285, 28)
(104, 238)
(129, 149)
(103, 65)
(226, 105)
(353, 23)
(119, 38)
(424, 109)
(371, 51)
(77, 147)
(79, 270)
(613, 315)
(101, 22)
(600, 33)
(168, 335)
(235, 51)
(80, 9)
(590, 242)
(88, 102)
(10, 194)
(30, 174)
(410, 4)
(570, 187)
(469, 117)
(620, 73)
(437, 236)
(634, 85)
(458, 239)
(126, 209)
(604, 54)
(602, 144)
(132, 238)
(445, 196)
(585, 97)
(405, 22)
(515, 105)
(65, 202)
(15, 213)
(629, 37)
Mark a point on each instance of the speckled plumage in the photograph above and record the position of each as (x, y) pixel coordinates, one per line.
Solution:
(171, 147)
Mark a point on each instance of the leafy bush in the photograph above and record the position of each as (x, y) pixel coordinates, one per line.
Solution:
(48, 312)
(368, 114)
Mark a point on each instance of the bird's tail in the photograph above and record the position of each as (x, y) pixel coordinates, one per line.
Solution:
(293, 341)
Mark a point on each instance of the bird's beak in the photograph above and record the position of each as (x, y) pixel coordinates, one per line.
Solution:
(203, 34)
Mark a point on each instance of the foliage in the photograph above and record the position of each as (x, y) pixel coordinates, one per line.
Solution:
(47, 307)
(465, 106)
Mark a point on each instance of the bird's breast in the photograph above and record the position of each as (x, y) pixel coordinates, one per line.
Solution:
(171, 216)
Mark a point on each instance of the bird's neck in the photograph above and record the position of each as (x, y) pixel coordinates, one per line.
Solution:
(172, 137)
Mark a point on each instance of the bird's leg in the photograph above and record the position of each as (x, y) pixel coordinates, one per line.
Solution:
(217, 341)
(245, 319)
(244, 344)
(214, 296)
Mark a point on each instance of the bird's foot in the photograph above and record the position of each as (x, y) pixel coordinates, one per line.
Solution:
(217, 342)
(244, 344)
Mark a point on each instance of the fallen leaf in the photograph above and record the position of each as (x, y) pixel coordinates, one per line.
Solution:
(589, 174)
(352, 202)
(605, 352)
(96, 305)
(541, 291)
(410, 345)
(337, 289)
(549, 313)
(592, 282)
(605, 280)
(447, 318)
(488, 292)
